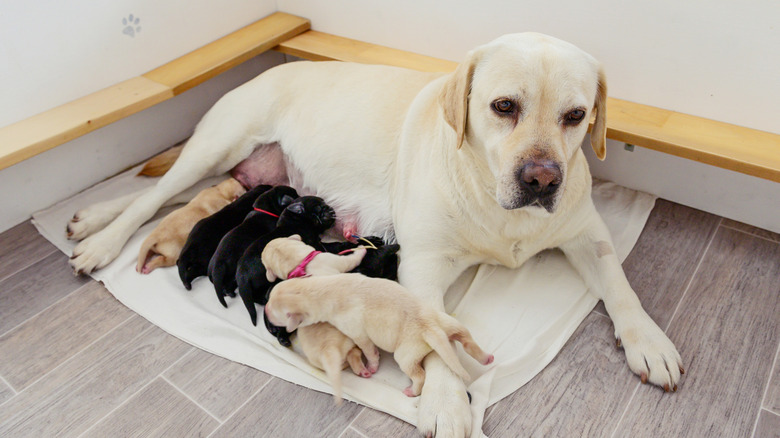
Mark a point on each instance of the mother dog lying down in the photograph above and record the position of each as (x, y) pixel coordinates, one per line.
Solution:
(482, 165)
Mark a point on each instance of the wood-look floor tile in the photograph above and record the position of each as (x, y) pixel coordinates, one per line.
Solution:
(377, 424)
(53, 336)
(768, 425)
(159, 410)
(760, 232)
(70, 399)
(5, 392)
(772, 399)
(217, 384)
(352, 433)
(20, 247)
(727, 331)
(577, 394)
(35, 288)
(666, 255)
(283, 409)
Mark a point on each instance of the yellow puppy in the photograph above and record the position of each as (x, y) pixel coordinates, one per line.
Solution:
(330, 350)
(163, 245)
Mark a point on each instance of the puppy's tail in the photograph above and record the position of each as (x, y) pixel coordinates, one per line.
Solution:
(458, 332)
(437, 339)
(333, 363)
(160, 163)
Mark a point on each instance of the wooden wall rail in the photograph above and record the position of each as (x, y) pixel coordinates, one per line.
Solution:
(732, 147)
(44, 131)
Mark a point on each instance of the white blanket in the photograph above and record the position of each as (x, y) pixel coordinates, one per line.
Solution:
(522, 316)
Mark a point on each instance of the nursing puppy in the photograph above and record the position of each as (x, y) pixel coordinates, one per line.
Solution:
(205, 235)
(308, 217)
(263, 218)
(375, 312)
(328, 349)
(164, 244)
(289, 257)
(380, 261)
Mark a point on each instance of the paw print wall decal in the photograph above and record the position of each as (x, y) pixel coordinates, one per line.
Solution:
(131, 25)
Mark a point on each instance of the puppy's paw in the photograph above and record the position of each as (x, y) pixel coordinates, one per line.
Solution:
(409, 392)
(444, 409)
(649, 352)
(88, 221)
(94, 253)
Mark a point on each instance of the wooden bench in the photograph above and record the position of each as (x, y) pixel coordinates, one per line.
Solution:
(724, 145)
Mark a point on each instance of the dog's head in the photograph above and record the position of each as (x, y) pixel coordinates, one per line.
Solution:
(523, 103)
(278, 256)
(275, 200)
(284, 307)
(308, 212)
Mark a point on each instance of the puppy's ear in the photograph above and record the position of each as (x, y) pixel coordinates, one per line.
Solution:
(296, 237)
(286, 200)
(293, 321)
(296, 208)
(454, 96)
(598, 135)
(270, 276)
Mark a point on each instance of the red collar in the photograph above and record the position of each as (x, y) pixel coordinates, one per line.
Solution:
(300, 270)
(266, 212)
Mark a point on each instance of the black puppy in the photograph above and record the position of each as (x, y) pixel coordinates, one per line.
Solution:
(308, 216)
(205, 235)
(260, 221)
(381, 261)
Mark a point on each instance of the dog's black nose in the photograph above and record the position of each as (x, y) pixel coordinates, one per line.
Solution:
(540, 178)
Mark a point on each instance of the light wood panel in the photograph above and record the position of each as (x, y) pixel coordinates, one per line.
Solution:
(719, 144)
(727, 332)
(208, 61)
(159, 410)
(44, 131)
(377, 424)
(768, 425)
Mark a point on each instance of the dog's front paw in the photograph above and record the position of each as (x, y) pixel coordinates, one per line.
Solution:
(94, 253)
(649, 352)
(444, 409)
(88, 221)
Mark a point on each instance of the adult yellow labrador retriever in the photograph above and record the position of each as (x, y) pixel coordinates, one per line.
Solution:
(479, 166)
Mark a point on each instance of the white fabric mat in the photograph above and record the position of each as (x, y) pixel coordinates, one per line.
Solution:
(522, 316)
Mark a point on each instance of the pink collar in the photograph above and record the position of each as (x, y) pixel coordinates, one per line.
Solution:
(300, 270)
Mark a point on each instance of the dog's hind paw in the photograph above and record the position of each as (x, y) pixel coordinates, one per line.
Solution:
(87, 222)
(444, 409)
(650, 354)
(93, 253)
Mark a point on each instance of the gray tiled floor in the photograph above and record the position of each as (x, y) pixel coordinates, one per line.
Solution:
(75, 362)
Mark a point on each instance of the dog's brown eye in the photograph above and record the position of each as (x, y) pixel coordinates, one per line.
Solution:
(574, 117)
(504, 106)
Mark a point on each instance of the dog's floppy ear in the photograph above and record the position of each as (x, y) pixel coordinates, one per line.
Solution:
(296, 207)
(454, 97)
(286, 200)
(269, 274)
(293, 321)
(296, 237)
(598, 135)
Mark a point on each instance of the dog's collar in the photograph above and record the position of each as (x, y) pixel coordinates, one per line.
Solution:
(266, 212)
(300, 270)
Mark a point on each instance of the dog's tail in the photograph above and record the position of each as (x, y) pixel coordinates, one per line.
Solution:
(458, 332)
(333, 363)
(160, 163)
(437, 339)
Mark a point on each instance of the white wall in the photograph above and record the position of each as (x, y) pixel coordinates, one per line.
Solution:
(52, 52)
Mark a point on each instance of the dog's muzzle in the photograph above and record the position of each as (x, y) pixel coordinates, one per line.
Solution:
(539, 181)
